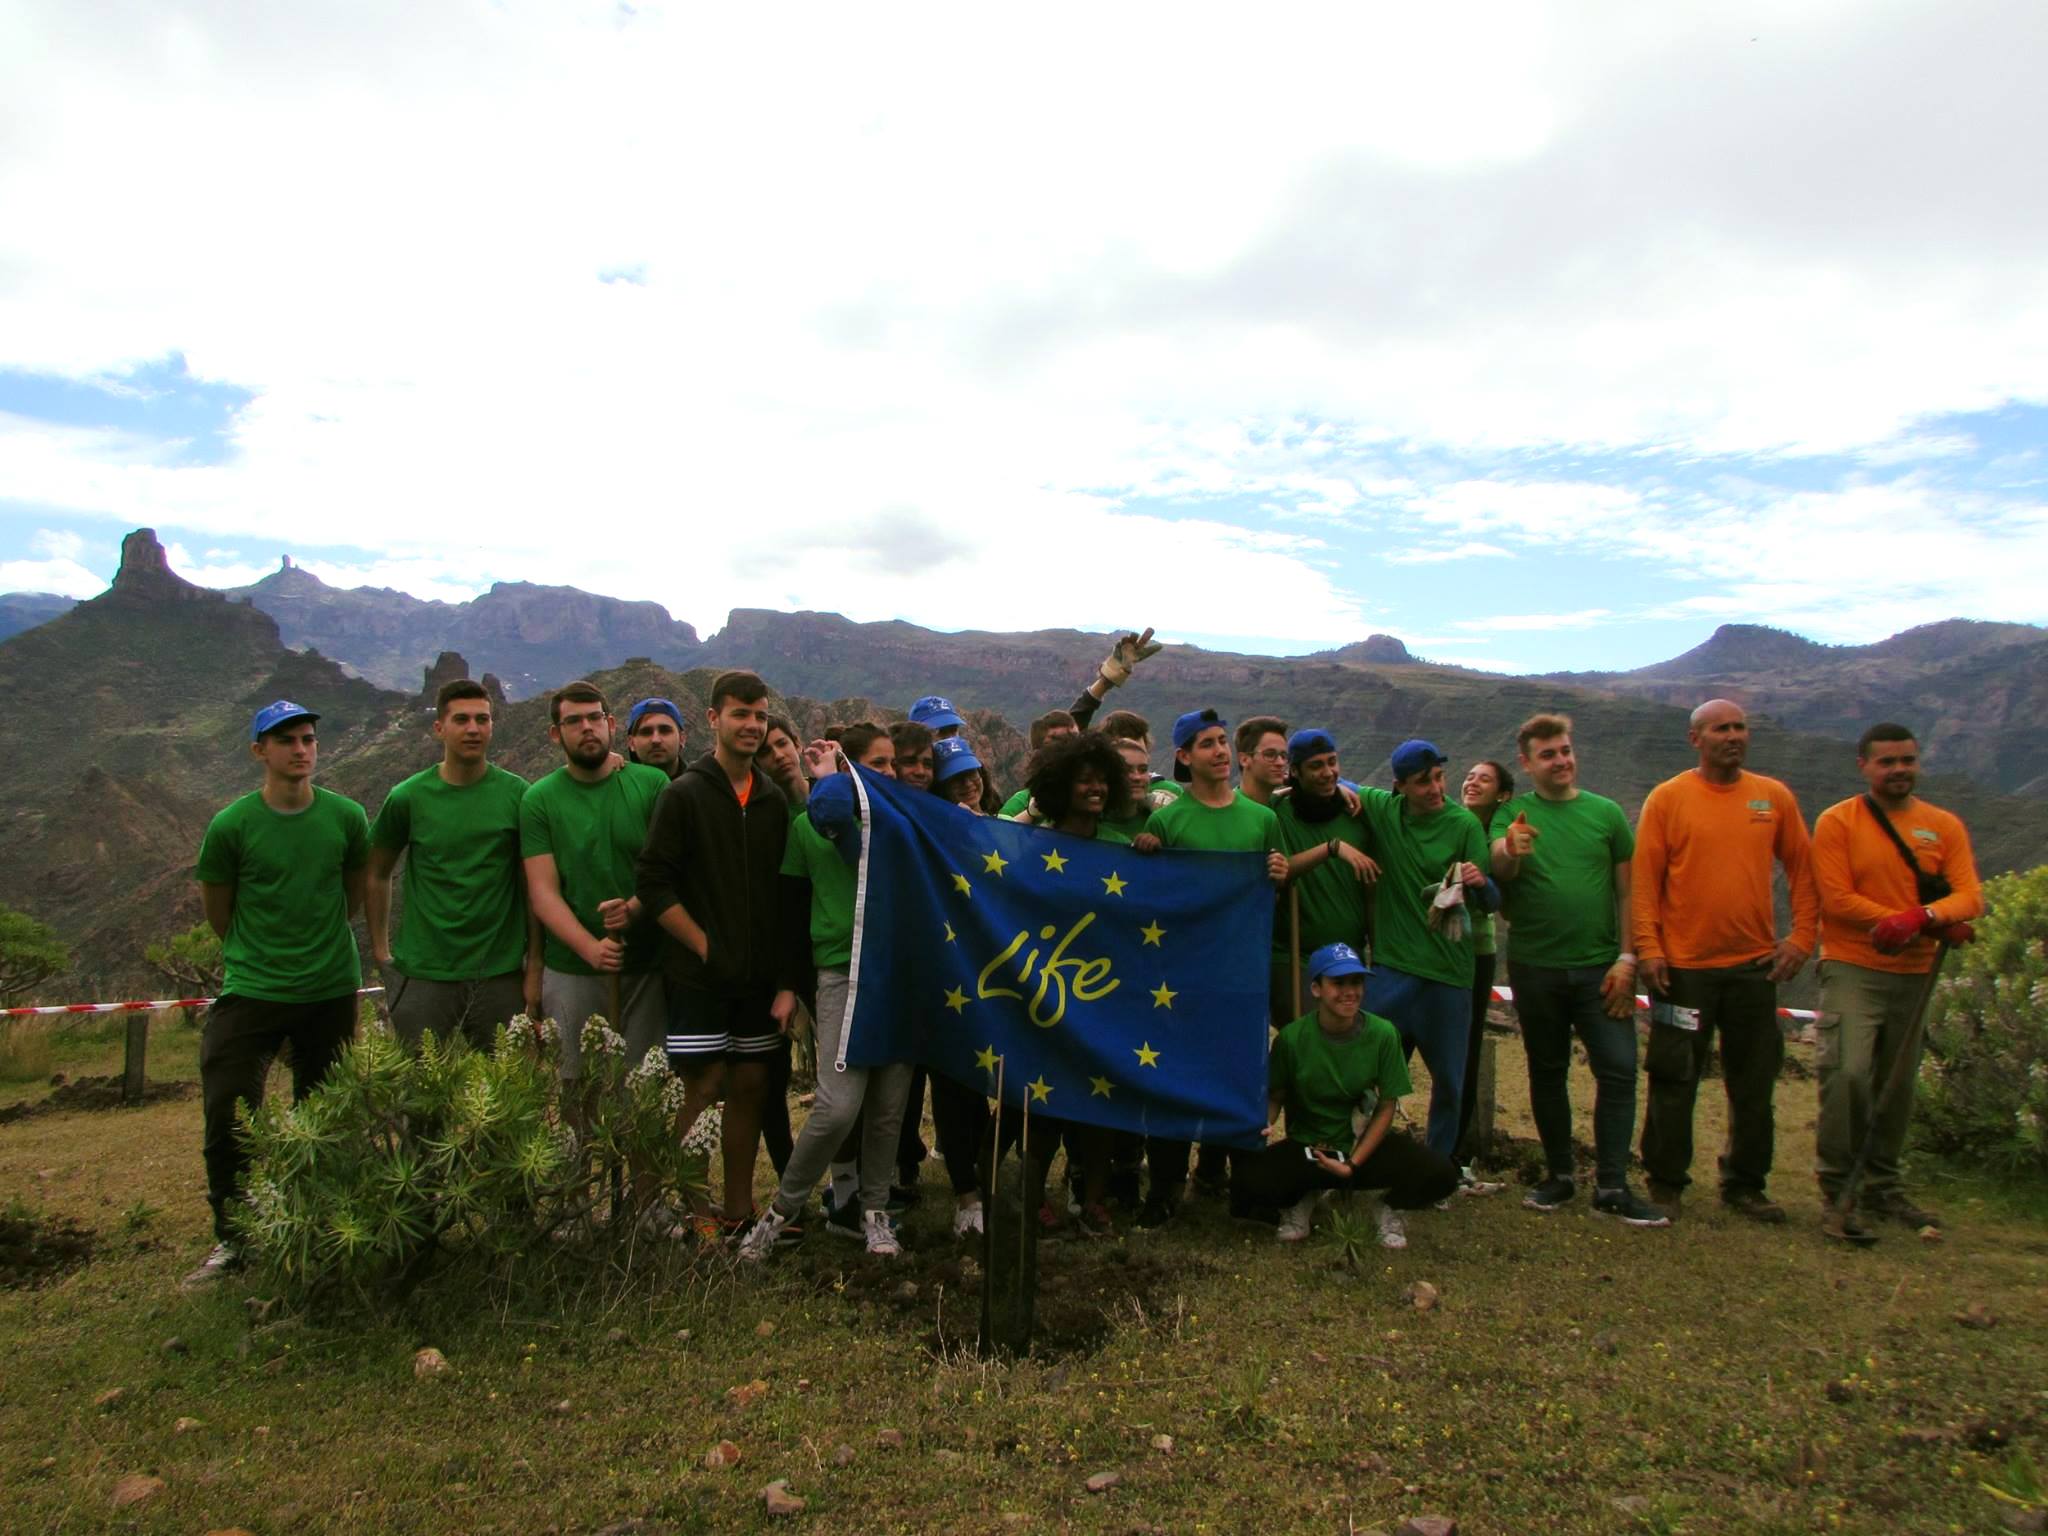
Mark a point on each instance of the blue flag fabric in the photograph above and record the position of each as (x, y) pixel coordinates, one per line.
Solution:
(1113, 987)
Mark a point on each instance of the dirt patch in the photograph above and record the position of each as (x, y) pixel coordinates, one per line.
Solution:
(94, 1093)
(37, 1249)
(1086, 1287)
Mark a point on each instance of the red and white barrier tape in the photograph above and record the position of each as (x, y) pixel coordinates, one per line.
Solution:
(150, 1005)
(1804, 1015)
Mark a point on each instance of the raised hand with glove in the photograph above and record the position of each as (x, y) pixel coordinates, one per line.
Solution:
(1125, 655)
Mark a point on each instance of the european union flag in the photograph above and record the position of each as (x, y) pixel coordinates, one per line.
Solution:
(1117, 988)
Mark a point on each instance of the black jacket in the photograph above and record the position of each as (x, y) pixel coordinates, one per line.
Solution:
(721, 863)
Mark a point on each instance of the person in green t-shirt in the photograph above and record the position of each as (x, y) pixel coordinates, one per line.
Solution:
(281, 874)
(1485, 786)
(580, 832)
(1336, 1074)
(467, 957)
(655, 735)
(1330, 875)
(1214, 817)
(1053, 725)
(1562, 857)
(1432, 859)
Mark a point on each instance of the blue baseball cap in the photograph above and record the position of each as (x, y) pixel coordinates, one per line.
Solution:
(1305, 744)
(1192, 724)
(271, 716)
(1336, 960)
(934, 711)
(654, 707)
(1416, 756)
(951, 757)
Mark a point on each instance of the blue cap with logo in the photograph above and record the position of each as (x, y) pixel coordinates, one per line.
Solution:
(1192, 724)
(271, 716)
(1336, 960)
(951, 757)
(1416, 756)
(653, 707)
(934, 711)
(1308, 743)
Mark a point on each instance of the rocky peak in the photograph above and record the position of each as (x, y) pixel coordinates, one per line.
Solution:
(1380, 650)
(146, 573)
(449, 667)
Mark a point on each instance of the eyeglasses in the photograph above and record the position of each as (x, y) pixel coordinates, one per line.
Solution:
(1271, 755)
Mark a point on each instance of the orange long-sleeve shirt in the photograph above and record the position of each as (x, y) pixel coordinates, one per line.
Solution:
(1702, 871)
(1862, 879)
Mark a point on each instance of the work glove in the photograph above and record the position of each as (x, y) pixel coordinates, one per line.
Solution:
(1955, 935)
(1126, 654)
(1446, 915)
(1894, 933)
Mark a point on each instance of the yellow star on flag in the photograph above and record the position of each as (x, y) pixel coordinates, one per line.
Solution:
(1153, 933)
(1054, 862)
(1163, 996)
(960, 884)
(949, 933)
(955, 999)
(1100, 1085)
(1147, 1057)
(1040, 1090)
(1113, 883)
(994, 863)
(985, 1058)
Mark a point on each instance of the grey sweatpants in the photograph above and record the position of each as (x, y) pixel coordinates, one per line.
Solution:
(839, 1100)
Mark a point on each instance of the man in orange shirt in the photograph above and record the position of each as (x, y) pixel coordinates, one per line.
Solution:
(1706, 940)
(1883, 909)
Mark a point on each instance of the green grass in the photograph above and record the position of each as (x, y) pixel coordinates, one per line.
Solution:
(1577, 1376)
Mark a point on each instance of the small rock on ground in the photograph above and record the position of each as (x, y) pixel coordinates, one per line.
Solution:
(111, 1398)
(429, 1362)
(186, 1426)
(780, 1501)
(764, 1329)
(1162, 1442)
(136, 1488)
(1421, 1295)
(1429, 1525)
(889, 1439)
(1102, 1482)
(723, 1454)
(1977, 1315)
(843, 1454)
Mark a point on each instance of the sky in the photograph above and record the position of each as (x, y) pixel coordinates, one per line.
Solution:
(1541, 337)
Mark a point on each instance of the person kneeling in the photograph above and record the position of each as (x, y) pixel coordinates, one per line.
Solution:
(1326, 1066)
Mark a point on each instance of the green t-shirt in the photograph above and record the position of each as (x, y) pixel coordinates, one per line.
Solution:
(1331, 897)
(1414, 853)
(289, 940)
(1561, 908)
(595, 832)
(1242, 826)
(810, 855)
(465, 892)
(1324, 1081)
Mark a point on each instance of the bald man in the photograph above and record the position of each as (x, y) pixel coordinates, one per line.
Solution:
(1707, 944)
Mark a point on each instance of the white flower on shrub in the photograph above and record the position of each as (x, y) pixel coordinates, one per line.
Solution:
(599, 1038)
(704, 1135)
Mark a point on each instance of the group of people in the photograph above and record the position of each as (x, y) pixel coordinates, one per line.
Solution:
(706, 906)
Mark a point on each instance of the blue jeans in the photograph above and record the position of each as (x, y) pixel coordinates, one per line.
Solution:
(1435, 1017)
(1553, 1004)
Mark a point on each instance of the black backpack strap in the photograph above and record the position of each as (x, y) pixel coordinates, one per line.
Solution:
(1898, 842)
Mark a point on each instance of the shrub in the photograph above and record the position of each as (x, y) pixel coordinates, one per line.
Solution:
(403, 1163)
(1984, 1085)
(190, 961)
(30, 954)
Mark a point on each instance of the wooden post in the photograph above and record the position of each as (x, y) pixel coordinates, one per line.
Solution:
(133, 1077)
(1489, 1080)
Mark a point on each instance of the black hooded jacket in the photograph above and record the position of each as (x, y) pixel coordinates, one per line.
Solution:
(721, 862)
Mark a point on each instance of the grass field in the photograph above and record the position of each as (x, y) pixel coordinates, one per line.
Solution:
(1576, 1376)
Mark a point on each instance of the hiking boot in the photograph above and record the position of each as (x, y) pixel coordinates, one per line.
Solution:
(1094, 1221)
(1633, 1210)
(1894, 1206)
(1154, 1214)
(760, 1239)
(216, 1266)
(1393, 1230)
(881, 1236)
(1553, 1194)
(1668, 1198)
(1843, 1227)
(1297, 1220)
(1753, 1204)
(967, 1221)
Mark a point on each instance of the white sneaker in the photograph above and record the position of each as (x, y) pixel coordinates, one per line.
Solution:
(760, 1239)
(1297, 1220)
(1469, 1184)
(967, 1220)
(881, 1233)
(216, 1266)
(1393, 1230)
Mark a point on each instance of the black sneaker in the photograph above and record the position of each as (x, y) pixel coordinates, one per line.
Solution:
(1553, 1194)
(901, 1198)
(844, 1220)
(1633, 1210)
(1154, 1214)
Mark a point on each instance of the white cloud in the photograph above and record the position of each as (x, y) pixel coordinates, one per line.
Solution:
(1471, 549)
(66, 577)
(576, 293)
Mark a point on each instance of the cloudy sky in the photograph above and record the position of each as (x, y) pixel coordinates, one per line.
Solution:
(1539, 337)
